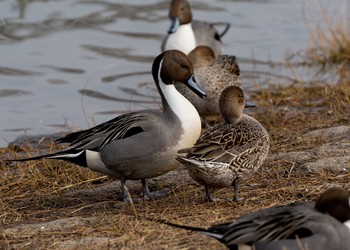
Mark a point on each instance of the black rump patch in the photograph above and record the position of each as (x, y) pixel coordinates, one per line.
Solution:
(133, 131)
(301, 233)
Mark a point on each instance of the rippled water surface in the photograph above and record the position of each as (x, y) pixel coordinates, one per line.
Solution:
(79, 63)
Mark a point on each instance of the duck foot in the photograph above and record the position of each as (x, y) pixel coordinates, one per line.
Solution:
(147, 195)
(126, 197)
(208, 197)
(156, 194)
(238, 198)
(215, 200)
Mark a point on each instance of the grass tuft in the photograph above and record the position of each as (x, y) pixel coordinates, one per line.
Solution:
(329, 40)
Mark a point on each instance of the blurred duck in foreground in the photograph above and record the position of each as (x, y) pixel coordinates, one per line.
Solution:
(214, 74)
(185, 34)
(320, 225)
(141, 145)
(228, 151)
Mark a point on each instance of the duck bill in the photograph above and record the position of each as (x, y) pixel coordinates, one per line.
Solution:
(249, 104)
(191, 83)
(175, 23)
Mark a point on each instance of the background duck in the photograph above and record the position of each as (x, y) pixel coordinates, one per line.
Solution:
(228, 151)
(214, 74)
(320, 225)
(185, 34)
(141, 145)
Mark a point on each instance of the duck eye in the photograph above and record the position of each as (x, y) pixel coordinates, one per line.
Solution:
(184, 66)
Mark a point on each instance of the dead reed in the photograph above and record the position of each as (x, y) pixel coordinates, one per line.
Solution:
(329, 39)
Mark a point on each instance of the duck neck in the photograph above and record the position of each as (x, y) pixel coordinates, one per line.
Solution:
(172, 100)
(177, 106)
(183, 39)
(233, 119)
(347, 224)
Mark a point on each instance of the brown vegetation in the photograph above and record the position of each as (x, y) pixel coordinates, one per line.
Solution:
(329, 40)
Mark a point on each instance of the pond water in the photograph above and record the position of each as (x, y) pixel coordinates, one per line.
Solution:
(68, 64)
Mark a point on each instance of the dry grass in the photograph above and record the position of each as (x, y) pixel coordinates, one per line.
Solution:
(329, 40)
(290, 111)
(43, 191)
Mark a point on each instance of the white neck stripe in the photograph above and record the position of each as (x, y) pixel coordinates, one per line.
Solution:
(159, 70)
(183, 109)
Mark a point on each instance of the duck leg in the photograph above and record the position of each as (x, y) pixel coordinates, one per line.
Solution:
(145, 191)
(208, 197)
(235, 190)
(147, 195)
(205, 123)
(125, 193)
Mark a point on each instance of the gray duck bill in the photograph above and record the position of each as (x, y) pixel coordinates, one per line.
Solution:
(175, 23)
(191, 83)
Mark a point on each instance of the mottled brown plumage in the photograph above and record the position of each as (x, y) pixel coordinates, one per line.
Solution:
(212, 73)
(228, 151)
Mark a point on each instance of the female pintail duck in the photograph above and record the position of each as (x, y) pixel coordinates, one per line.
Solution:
(322, 225)
(228, 151)
(141, 145)
(185, 34)
(214, 74)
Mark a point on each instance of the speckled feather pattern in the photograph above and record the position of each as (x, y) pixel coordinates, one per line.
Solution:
(224, 72)
(226, 152)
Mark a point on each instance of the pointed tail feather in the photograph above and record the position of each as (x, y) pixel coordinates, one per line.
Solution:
(189, 162)
(195, 229)
(77, 157)
(182, 159)
(227, 27)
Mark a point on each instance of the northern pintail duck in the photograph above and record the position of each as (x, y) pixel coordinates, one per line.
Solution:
(185, 34)
(141, 145)
(228, 151)
(214, 74)
(320, 225)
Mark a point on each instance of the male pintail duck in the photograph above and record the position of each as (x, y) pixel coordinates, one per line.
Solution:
(230, 150)
(323, 225)
(141, 145)
(185, 34)
(214, 74)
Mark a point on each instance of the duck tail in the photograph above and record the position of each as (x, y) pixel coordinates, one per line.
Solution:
(215, 235)
(77, 157)
(227, 27)
(183, 160)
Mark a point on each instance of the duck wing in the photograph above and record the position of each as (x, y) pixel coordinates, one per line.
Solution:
(97, 137)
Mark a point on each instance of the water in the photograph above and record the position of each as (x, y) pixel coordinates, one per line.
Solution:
(71, 64)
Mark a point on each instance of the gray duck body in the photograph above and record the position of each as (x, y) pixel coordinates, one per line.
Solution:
(140, 145)
(320, 225)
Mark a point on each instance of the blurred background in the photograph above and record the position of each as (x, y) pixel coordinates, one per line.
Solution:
(67, 65)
